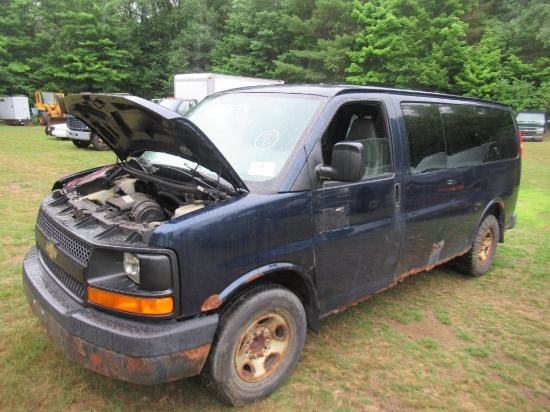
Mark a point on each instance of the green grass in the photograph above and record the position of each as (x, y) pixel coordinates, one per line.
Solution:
(438, 341)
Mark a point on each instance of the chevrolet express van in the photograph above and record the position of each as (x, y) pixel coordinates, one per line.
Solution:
(218, 238)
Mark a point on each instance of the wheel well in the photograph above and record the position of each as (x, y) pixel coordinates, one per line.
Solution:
(294, 282)
(497, 211)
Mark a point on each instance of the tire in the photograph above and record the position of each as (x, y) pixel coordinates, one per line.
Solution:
(81, 144)
(480, 257)
(99, 144)
(43, 118)
(260, 337)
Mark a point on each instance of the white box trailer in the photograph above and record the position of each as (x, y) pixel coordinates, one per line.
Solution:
(199, 85)
(15, 110)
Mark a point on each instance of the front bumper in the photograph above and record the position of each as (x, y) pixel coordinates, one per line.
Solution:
(130, 350)
(532, 135)
(79, 135)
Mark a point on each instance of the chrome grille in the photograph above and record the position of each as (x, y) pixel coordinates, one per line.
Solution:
(71, 283)
(69, 244)
(74, 123)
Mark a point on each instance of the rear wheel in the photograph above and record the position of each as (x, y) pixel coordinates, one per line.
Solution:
(259, 340)
(99, 144)
(480, 257)
(82, 144)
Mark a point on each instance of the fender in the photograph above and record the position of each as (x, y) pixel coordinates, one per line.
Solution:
(311, 305)
(497, 202)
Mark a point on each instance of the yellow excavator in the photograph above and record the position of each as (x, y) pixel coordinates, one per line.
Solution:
(49, 111)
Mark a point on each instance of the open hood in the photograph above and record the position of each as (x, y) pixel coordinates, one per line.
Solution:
(130, 125)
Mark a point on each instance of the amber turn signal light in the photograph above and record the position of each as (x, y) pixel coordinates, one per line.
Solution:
(131, 304)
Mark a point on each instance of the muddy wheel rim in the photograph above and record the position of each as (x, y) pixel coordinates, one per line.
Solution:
(486, 246)
(262, 347)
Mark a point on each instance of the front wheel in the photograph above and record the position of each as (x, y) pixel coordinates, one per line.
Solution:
(99, 144)
(480, 257)
(43, 118)
(260, 337)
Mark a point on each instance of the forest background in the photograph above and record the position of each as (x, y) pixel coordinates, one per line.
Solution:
(493, 49)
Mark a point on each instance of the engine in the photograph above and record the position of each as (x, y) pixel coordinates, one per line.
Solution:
(116, 196)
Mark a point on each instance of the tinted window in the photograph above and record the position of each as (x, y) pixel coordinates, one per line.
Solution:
(426, 138)
(448, 136)
(501, 132)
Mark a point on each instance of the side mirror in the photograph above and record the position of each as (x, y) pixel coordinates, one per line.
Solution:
(347, 163)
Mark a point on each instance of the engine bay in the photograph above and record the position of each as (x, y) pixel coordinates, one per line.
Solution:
(139, 200)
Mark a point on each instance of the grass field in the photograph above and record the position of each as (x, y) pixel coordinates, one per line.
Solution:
(438, 341)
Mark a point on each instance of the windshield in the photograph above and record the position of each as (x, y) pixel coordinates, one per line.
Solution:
(48, 97)
(256, 132)
(531, 117)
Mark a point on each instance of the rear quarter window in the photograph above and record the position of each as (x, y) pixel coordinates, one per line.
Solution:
(443, 136)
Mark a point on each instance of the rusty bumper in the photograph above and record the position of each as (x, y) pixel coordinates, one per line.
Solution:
(130, 350)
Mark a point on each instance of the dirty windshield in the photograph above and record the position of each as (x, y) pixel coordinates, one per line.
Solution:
(256, 132)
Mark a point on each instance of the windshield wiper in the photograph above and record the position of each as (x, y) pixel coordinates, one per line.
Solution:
(145, 165)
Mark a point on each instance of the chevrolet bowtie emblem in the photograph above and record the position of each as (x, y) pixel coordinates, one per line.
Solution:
(51, 250)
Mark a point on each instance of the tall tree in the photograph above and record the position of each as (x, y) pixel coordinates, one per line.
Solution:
(17, 44)
(327, 32)
(492, 72)
(254, 38)
(409, 43)
(191, 48)
(482, 69)
(524, 26)
(80, 50)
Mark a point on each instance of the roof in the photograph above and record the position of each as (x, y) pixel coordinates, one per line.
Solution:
(334, 90)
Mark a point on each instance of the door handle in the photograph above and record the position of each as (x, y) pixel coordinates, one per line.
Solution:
(397, 196)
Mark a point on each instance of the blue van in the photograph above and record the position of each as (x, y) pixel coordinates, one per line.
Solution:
(218, 238)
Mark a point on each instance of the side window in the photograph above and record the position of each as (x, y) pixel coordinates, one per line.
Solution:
(365, 123)
(501, 135)
(457, 135)
(466, 140)
(426, 137)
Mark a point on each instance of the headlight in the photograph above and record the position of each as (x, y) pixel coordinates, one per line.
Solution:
(131, 267)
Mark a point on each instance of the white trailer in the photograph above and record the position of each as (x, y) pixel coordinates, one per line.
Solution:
(199, 85)
(15, 110)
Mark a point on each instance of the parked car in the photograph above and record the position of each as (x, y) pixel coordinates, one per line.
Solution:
(180, 106)
(221, 236)
(81, 135)
(532, 125)
(58, 130)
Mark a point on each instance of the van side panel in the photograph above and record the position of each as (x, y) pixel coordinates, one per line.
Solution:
(462, 159)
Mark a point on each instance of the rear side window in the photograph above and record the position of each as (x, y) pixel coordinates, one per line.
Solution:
(426, 137)
(445, 136)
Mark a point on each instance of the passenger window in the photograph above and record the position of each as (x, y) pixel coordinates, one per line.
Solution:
(457, 135)
(426, 137)
(364, 123)
(467, 142)
(501, 135)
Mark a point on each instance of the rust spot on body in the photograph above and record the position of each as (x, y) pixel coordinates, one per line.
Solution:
(95, 360)
(253, 278)
(213, 302)
(143, 371)
(399, 280)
